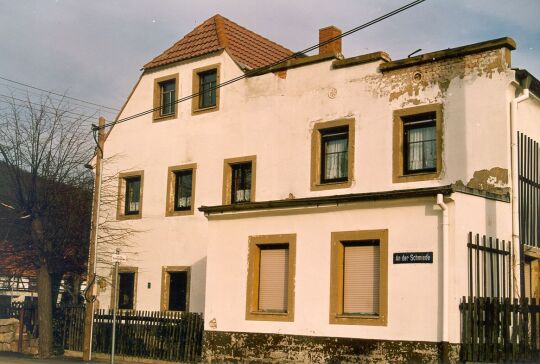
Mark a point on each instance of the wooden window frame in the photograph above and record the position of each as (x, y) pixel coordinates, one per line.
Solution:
(336, 277)
(252, 294)
(171, 184)
(227, 177)
(317, 184)
(195, 101)
(165, 285)
(398, 157)
(126, 269)
(120, 210)
(157, 116)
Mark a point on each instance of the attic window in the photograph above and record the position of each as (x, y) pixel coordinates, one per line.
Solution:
(205, 81)
(165, 95)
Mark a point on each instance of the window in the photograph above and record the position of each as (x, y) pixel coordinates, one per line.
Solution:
(417, 143)
(332, 154)
(207, 88)
(181, 190)
(205, 80)
(270, 287)
(133, 195)
(175, 288)
(126, 290)
(130, 187)
(358, 285)
(165, 95)
(239, 180)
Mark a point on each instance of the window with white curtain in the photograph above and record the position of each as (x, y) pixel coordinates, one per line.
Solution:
(241, 182)
(420, 144)
(183, 189)
(133, 195)
(334, 155)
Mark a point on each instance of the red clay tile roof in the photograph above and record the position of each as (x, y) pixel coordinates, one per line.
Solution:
(217, 33)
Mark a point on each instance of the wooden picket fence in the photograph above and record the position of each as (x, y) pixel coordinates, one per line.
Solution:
(173, 336)
(500, 330)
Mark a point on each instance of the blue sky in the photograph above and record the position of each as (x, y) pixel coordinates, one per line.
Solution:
(94, 50)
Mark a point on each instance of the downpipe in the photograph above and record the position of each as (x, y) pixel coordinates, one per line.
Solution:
(445, 263)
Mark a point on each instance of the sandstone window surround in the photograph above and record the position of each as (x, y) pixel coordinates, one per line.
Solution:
(332, 154)
(239, 179)
(181, 182)
(417, 143)
(359, 277)
(165, 95)
(130, 195)
(204, 82)
(271, 272)
(127, 288)
(175, 287)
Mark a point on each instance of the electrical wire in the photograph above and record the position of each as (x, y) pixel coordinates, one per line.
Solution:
(40, 94)
(269, 66)
(57, 94)
(27, 103)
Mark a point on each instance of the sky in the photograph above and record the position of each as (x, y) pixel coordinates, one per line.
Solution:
(94, 50)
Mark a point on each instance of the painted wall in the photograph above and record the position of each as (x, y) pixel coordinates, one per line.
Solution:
(272, 117)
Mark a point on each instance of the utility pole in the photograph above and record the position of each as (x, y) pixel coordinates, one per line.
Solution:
(90, 296)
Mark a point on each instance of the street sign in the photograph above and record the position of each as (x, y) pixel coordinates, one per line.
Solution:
(119, 258)
(417, 257)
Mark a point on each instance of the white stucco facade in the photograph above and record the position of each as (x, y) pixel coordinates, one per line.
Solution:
(272, 116)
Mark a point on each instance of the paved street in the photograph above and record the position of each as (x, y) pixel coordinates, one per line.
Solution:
(14, 358)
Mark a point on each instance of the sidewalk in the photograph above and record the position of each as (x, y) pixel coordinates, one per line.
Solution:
(16, 358)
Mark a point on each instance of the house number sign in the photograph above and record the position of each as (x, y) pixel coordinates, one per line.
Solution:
(411, 258)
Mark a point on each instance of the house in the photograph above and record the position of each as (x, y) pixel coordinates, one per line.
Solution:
(326, 208)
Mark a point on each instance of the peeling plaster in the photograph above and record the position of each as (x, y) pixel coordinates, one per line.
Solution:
(494, 180)
(407, 84)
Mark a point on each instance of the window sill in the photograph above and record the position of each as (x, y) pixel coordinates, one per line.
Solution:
(157, 119)
(204, 110)
(269, 316)
(368, 320)
(331, 185)
(416, 177)
(129, 217)
(170, 213)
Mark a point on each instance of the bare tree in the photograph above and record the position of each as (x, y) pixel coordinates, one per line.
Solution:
(44, 146)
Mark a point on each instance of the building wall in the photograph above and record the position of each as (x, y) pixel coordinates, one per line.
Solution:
(272, 116)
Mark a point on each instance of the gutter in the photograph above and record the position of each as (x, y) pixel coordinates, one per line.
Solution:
(515, 188)
(328, 200)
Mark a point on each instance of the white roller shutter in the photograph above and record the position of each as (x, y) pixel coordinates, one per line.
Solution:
(361, 279)
(273, 280)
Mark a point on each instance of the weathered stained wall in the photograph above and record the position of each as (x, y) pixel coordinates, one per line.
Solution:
(278, 348)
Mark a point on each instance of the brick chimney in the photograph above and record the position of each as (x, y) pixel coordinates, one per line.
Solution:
(328, 33)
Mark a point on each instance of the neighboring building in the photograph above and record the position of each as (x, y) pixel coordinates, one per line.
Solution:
(283, 205)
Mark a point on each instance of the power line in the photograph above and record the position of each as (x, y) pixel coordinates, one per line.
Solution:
(98, 109)
(265, 68)
(57, 94)
(27, 104)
